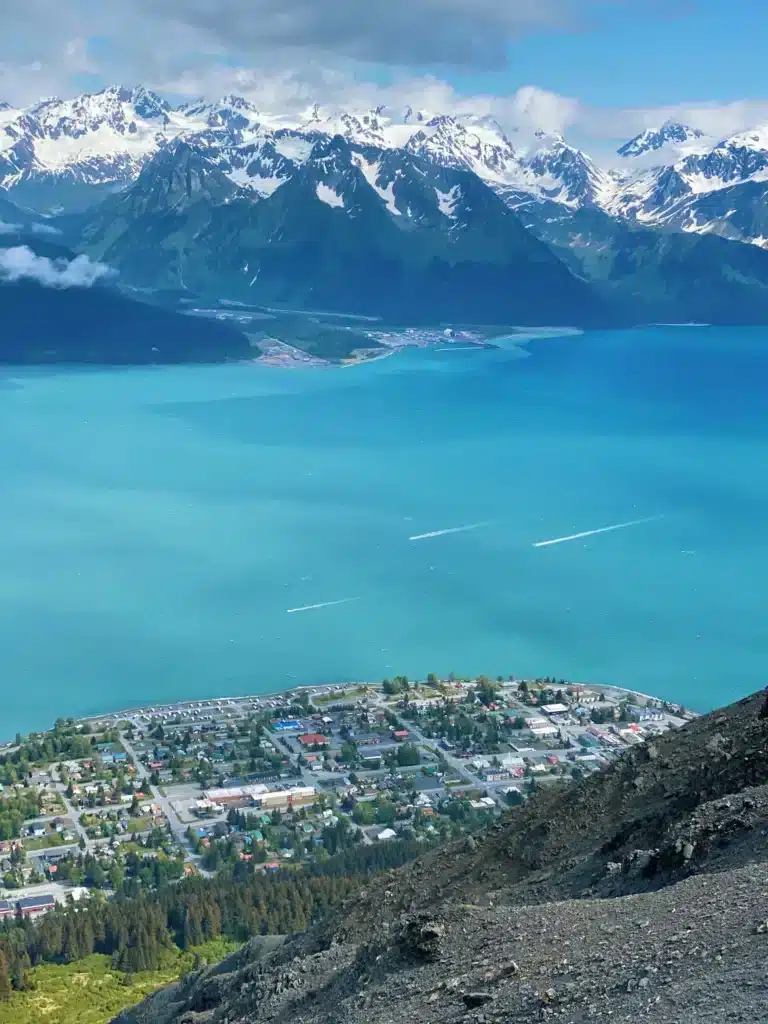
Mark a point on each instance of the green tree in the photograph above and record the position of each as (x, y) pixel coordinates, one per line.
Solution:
(408, 754)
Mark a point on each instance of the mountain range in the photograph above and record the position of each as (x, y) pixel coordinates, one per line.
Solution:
(407, 215)
(67, 153)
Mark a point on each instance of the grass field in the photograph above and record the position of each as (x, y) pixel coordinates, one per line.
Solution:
(91, 992)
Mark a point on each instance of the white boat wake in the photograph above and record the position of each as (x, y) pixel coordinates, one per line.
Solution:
(321, 604)
(592, 533)
(451, 529)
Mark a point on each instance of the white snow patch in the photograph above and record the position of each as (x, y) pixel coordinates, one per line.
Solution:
(447, 201)
(102, 144)
(327, 195)
(371, 173)
(294, 149)
(264, 184)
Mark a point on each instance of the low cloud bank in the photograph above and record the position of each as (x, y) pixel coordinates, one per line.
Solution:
(34, 229)
(19, 263)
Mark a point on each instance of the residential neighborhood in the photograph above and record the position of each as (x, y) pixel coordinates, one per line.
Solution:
(271, 781)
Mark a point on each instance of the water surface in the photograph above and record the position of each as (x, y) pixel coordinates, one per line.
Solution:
(156, 524)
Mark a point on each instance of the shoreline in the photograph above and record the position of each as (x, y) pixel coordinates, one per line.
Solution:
(607, 688)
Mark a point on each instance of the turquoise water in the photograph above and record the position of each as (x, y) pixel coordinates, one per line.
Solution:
(156, 524)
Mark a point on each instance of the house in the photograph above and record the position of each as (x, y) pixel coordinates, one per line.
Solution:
(281, 799)
(587, 740)
(400, 735)
(32, 906)
(510, 761)
(37, 829)
(386, 833)
(368, 739)
(583, 696)
(313, 739)
(554, 709)
(540, 728)
(641, 714)
(485, 803)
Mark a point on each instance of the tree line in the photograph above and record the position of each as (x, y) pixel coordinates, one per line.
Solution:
(136, 931)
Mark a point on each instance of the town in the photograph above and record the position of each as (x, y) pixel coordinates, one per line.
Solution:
(128, 800)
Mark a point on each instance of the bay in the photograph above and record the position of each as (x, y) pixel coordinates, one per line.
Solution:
(157, 524)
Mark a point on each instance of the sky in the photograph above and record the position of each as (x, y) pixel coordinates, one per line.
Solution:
(599, 70)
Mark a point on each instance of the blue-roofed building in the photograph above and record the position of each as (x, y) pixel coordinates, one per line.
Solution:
(286, 725)
(32, 905)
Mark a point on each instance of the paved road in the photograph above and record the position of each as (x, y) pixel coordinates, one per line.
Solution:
(55, 889)
(178, 828)
(74, 816)
(454, 762)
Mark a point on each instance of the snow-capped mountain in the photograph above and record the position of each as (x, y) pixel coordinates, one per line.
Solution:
(68, 154)
(83, 146)
(351, 227)
(670, 134)
(702, 189)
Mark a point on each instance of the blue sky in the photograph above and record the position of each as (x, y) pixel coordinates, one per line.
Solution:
(598, 70)
(709, 50)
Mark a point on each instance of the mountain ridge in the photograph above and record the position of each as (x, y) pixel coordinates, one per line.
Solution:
(72, 153)
(352, 228)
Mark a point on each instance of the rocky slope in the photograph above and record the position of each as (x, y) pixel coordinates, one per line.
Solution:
(661, 276)
(640, 894)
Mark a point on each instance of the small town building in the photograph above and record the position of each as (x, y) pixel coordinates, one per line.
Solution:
(313, 739)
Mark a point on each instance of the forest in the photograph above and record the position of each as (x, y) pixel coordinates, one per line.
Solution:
(136, 931)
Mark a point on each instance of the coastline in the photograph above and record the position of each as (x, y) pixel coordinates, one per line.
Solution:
(342, 688)
(280, 354)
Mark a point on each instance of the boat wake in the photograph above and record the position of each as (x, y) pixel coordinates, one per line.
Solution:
(321, 604)
(450, 529)
(593, 533)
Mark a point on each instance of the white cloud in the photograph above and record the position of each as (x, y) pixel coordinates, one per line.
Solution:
(404, 33)
(285, 55)
(20, 263)
(44, 229)
(36, 229)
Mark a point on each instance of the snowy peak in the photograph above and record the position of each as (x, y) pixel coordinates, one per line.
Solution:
(564, 174)
(671, 133)
(116, 106)
(475, 144)
(232, 112)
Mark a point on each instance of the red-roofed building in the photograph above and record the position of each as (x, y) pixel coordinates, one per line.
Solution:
(314, 739)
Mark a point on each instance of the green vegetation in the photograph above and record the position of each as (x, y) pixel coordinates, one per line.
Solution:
(67, 741)
(331, 341)
(15, 809)
(91, 991)
(138, 932)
